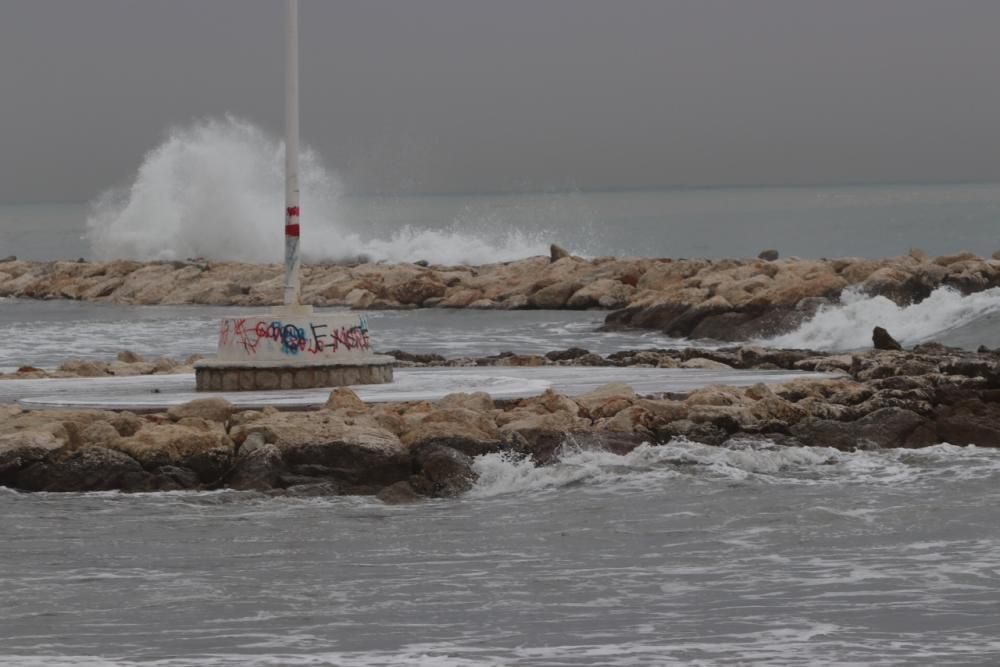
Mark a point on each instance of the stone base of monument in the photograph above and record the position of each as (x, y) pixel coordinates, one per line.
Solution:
(215, 376)
(292, 348)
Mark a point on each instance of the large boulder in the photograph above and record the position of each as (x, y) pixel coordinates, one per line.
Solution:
(258, 470)
(215, 409)
(89, 469)
(970, 422)
(885, 428)
(882, 340)
(553, 296)
(193, 444)
(446, 472)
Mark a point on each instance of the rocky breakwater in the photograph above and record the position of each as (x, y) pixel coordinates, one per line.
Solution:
(402, 452)
(700, 298)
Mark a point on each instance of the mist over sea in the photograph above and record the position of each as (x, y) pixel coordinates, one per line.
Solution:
(681, 554)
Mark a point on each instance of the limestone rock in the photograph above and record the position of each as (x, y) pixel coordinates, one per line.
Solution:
(213, 409)
(480, 401)
(553, 296)
(343, 398)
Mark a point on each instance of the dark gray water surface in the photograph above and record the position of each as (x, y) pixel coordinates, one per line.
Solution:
(682, 554)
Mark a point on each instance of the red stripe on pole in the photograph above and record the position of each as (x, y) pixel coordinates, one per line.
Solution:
(292, 211)
(291, 230)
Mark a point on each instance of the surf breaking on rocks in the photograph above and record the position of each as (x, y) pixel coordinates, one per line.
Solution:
(215, 188)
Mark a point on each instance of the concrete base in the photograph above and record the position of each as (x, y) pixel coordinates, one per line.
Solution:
(293, 348)
(214, 375)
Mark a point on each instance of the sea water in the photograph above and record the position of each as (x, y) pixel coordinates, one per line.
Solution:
(676, 555)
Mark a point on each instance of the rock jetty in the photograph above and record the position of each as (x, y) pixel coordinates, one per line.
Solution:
(403, 452)
(731, 299)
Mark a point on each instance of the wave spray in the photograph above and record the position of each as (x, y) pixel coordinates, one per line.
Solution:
(215, 189)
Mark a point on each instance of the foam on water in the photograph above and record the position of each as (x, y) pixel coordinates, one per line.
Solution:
(215, 190)
(848, 325)
(758, 462)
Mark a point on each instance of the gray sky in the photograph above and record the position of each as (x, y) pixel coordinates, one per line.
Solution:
(497, 95)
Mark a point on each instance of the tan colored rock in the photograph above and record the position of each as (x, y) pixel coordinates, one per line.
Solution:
(479, 401)
(213, 409)
(554, 296)
(120, 369)
(705, 364)
(606, 400)
(101, 434)
(359, 299)
(171, 444)
(26, 446)
(606, 293)
(716, 395)
(663, 411)
(85, 368)
(553, 401)
(342, 398)
(556, 421)
(294, 429)
(417, 291)
(461, 298)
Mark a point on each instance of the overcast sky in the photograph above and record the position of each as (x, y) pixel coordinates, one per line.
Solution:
(498, 95)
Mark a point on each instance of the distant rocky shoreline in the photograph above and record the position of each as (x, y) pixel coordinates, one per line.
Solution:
(730, 299)
(403, 452)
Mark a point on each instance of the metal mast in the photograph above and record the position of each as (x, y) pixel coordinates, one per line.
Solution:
(292, 258)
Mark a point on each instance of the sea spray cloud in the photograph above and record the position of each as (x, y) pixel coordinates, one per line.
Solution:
(215, 189)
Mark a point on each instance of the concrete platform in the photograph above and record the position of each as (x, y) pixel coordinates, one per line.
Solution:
(158, 392)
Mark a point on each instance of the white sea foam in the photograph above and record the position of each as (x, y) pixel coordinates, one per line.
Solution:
(848, 325)
(215, 190)
(763, 463)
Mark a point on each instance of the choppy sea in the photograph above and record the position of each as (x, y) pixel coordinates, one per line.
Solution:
(674, 555)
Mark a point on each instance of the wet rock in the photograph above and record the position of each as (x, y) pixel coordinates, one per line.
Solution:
(18, 450)
(970, 422)
(557, 252)
(768, 255)
(194, 445)
(887, 427)
(400, 493)
(87, 469)
(883, 341)
(449, 471)
(258, 470)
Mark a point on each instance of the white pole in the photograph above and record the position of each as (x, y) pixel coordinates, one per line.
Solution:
(292, 259)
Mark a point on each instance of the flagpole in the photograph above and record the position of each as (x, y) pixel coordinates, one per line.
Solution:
(293, 259)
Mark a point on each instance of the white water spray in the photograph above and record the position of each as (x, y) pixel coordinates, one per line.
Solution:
(214, 190)
(848, 325)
